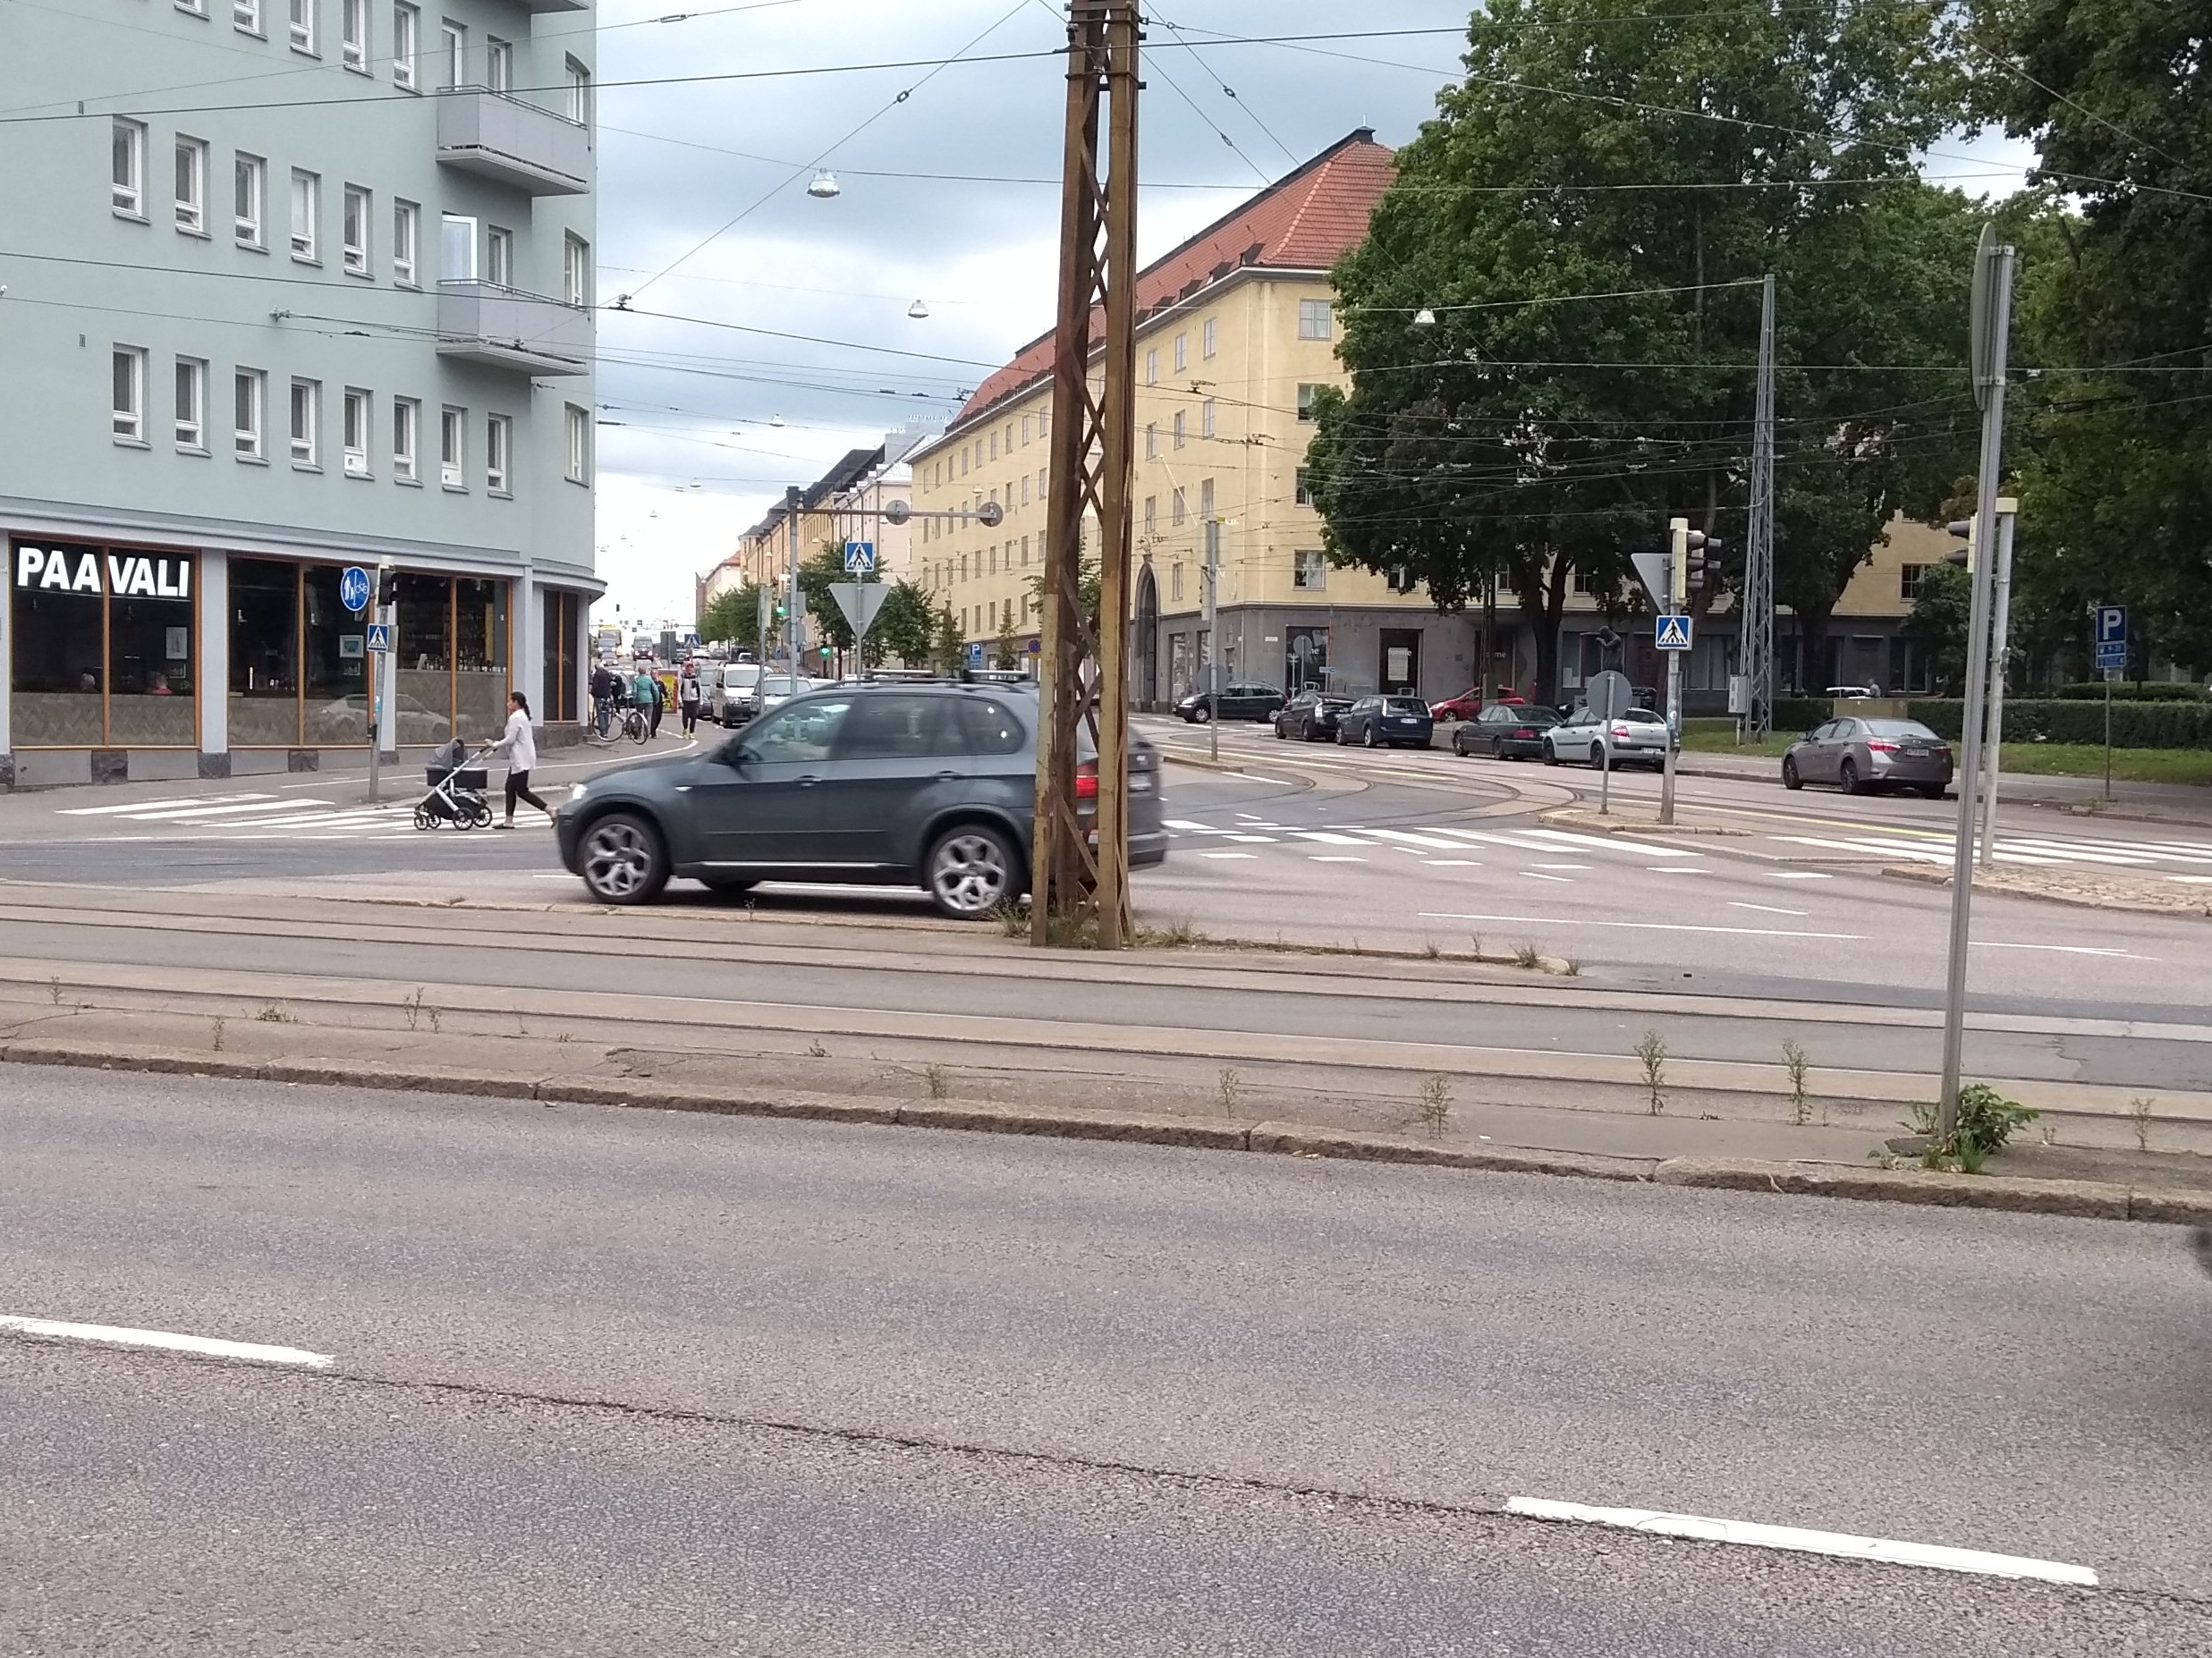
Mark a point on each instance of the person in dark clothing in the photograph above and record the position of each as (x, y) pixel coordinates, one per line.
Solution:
(688, 696)
(603, 685)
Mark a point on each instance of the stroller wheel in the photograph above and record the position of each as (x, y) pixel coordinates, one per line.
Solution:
(423, 820)
(480, 818)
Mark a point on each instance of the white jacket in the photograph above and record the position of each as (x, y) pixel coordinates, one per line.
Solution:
(519, 745)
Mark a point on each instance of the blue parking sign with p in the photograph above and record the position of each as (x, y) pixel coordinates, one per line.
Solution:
(2111, 636)
(354, 587)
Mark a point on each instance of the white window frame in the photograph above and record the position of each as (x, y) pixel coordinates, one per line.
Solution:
(246, 16)
(307, 189)
(498, 64)
(197, 8)
(575, 270)
(1151, 440)
(250, 229)
(357, 413)
(452, 239)
(305, 411)
(498, 454)
(576, 437)
(301, 26)
(127, 385)
(1209, 337)
(1316, 319)
(1183, 433)
(406, 439)
(1309, 569)
(1307, 389)
(249, 399)
(353, 230)
(406, 41)
(406, 242)
(1178, 508)
(1206, 419)
(353, 35)
(453, 55)
(453, 446)
(1152, 367)
(578, 107)
(191, 429)
(1183, 352)
(127, 167)
(498, 257)
(191, 168)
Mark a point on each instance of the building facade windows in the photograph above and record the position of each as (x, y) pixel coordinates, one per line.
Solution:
(499, 257)
(307, 418)
(129, 380)
(452, 424)
(575, 270)
(406, 428)
(248, 412)
(406, 35)
(1316, 319)
(1152, 367)
(498, 64)
(353, 431)
(191, 423)
(303, 26)
(103, 647)
(406, 235)
(1206, 419)
(1176, 511)
(1183, 352)
(456, 256)
(246, 16)
(353, 35)
(1309, 570)
(1182, 435)
(1209, 337)
(249, 183)
(578, 102)
(453, 55)
(307, 197)
(1908, 581)
(354, 232)
(1301, 491)
(1151, 440)
(191, 186)
(127, 167)
(577, 426)
(498, 436)
(1306, 394)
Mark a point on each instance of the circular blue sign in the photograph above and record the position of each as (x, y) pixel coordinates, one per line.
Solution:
(354, 587)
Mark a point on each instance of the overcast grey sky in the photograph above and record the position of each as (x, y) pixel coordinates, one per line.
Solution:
(949, 196)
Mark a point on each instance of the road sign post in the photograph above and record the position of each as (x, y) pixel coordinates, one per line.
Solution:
(2112, 658)
(861, 602)
(355, 587)
(1609, 696)
(1672, 635)
(860, 558)
(2008, 510)
(378, 653)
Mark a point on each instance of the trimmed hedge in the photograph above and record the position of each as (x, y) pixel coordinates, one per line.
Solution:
(2134, 725)
(1801, 714)
(2127, 690)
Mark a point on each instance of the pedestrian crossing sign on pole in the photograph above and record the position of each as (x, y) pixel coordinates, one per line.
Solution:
(379, 636)
(1673, 634)
(860, 558)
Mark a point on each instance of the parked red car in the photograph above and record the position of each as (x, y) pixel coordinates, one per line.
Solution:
(1469, 703)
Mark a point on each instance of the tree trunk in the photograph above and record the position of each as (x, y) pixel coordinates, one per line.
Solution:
(1812, 633)
(1543, 601)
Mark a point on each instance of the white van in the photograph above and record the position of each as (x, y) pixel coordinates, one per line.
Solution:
(736, 694)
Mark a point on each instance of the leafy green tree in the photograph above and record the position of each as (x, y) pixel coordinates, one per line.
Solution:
(1665, 161)
(905, 627)
(731, 617)
(951, 651)
(1090, 583)
(816, 577)
(1005, 651)
(1939, 623)
(2115, 493)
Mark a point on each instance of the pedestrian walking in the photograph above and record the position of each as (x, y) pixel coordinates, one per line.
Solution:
(605, 685)
(688, 694)
(520, 746)
(648, 691)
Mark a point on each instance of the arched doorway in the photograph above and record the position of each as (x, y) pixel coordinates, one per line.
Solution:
(1145, 676)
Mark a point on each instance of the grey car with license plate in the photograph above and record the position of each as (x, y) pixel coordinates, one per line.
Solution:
(891, 785)
(1638, 737)
(1862, 755)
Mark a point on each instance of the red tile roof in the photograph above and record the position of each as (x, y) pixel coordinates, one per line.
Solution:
(1304, 222)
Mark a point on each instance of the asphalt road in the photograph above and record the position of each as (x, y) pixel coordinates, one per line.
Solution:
(624, 1382)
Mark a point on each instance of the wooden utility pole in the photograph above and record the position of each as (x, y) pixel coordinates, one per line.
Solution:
(1083, 682)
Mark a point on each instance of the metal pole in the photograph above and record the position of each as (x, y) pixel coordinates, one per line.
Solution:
(1213, 638)
(1755, 643)
(1677, 600)
(792, 498)
(2110, 674)
(2008, 510)
(1995, 309)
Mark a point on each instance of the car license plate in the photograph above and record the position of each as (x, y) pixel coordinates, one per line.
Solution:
(1915, 754)
(1140, 782)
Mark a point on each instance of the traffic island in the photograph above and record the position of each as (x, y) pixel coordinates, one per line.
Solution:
(2147, 894)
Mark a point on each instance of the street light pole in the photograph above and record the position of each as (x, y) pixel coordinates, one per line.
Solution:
(1213, 638)
(1677, 603)
(792, 498)
(2008, 511)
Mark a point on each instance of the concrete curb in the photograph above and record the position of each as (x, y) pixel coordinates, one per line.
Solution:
(2183, 905)
(2085, 1199)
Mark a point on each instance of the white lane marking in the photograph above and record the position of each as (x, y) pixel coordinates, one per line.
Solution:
(2063, 950)
(1181, 822)
(154, 806)
(1326, 839)
(1622, 841)
(1453, 863)
(207, 1347)
(1675, 869)
(199, 813)
(1434, 843)
(2193, 880)
(1228, 854)
(1562, 866)
(1800, 874)
(1532, 876)
(1881, 848)
(1246, 818)
(1648, 926)
(1253, 839)
(1886, 1550)
(1320, 857)
(1737, 903)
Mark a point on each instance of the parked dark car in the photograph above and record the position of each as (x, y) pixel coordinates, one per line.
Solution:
(1244, 700)
(1507, 730)
(1310, 717)
(900, 785)
(1385, 723)
(1859, 756)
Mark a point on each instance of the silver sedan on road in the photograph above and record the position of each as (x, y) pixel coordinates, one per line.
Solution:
(1861, 755)
(1639, 738)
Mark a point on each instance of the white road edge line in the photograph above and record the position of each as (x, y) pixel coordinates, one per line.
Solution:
(206, 1347)
(1841, 1544)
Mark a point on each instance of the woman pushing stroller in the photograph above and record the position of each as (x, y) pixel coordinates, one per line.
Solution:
(520, 747)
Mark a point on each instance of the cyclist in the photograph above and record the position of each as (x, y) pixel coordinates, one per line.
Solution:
(607, 688)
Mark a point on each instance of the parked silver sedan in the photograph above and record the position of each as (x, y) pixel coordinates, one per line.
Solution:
(1639, 738)
(1861, 754)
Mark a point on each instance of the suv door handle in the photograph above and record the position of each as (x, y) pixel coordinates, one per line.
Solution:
(948, 777)
(809, 782)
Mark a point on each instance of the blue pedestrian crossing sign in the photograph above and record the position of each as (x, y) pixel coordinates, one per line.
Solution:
(860, 558)
(354, 587)
(1672, 633)
(379, 636)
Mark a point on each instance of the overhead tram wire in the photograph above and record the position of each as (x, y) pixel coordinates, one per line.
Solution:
(1227, 91)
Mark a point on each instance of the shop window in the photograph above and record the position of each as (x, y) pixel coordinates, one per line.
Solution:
(333, 663)
(479, 658)
(103, 647)
(423, 702)
(265, 657)
(560, 696)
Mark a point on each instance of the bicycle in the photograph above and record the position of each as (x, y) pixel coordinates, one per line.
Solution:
(635, 726)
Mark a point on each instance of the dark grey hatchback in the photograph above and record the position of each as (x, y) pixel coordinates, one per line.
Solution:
(893, 785)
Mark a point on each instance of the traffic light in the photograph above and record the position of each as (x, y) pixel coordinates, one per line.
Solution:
(1963, 557)
(1697, 561)
(387, 583)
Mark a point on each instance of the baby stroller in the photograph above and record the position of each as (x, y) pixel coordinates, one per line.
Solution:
(456, 795)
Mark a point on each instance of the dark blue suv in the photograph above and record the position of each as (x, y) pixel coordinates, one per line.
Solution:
(889, 785)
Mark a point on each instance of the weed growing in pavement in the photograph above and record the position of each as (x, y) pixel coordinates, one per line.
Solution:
(412, 1007)
(1014, 919)
(940, 1082)
(1431, 949)
(53, 989)
(218, 1033)
(1232, 1089)
(1177, 935)
(1474, 943)
(816, 1049)
(1651, 1049)
(275, 1015)
(1574, 967)
(1795, 1061)
(1528, 954)
(1435, 1110)
(2139, 1113)
(562, 1038)
(1986, 1120)
(432, 1012)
